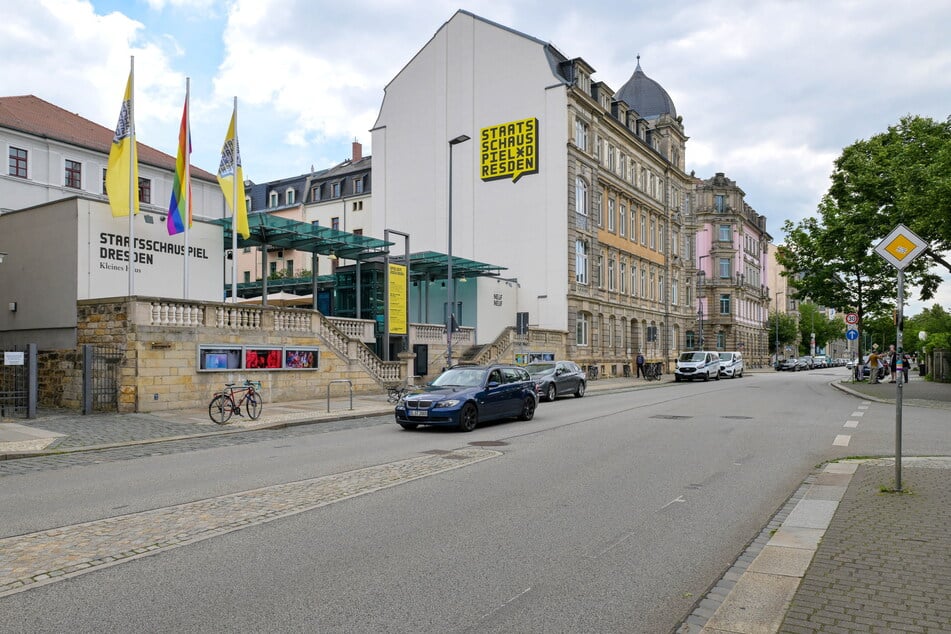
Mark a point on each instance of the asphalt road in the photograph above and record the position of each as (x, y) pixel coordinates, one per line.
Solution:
(610, 513)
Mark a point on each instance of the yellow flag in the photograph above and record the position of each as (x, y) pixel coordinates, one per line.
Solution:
(231, 178)
(122, 172)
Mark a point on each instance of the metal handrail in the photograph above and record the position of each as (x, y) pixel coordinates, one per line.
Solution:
(348, 382)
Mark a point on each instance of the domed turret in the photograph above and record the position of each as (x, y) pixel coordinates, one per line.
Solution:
(646, 96)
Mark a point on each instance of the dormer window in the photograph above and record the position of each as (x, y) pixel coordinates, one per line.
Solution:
(289, 197)
(315, 193)
(358, 185)
(335, 190)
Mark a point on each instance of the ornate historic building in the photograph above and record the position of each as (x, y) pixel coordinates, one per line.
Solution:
(733, 294)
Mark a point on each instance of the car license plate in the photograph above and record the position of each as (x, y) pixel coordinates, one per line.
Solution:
(416, 412)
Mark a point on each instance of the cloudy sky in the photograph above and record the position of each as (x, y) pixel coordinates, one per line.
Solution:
(770, 91)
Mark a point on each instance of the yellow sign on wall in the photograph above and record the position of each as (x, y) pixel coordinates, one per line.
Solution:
(509, 149)
(397, 299)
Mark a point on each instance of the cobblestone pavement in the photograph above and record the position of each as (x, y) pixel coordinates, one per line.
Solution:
(51, 555)
(884, 564)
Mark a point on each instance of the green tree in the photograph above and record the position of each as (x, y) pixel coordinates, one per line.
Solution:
(788, 331)
(813, 320)
(900, 176)
(933, 321)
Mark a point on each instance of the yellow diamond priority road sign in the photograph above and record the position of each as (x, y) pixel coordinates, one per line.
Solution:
(901, 247)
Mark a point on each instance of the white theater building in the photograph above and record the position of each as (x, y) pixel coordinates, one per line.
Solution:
(578, 190)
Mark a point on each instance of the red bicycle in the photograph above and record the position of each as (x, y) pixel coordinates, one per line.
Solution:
(224, 405)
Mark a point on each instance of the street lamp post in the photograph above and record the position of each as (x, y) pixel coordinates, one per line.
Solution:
(701, 275)
(450, 291)
(778, 293)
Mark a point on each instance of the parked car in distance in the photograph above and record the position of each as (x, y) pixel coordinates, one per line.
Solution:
(789, 365)
(557, 378)
(820, 362)
(805, 363)
(699, 364)
(731, 364)
(464, 396)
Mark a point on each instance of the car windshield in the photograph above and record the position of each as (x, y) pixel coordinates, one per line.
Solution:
(540, 368)
(460, 377)
(692, 356)
(726, 356)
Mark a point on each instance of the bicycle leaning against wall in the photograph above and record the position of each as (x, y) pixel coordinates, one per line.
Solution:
(224, 404)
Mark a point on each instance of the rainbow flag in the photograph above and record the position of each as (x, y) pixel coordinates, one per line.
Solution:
(182, 186)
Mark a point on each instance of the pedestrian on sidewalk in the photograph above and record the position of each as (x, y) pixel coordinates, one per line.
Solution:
(873, 364)
(892, 362)
(640, 366)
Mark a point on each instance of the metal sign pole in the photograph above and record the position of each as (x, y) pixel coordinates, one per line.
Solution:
(899, 379)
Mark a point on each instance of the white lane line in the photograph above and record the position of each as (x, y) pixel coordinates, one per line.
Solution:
(851, 424)
(863, 406)
(858, 414)
(505, 604)
(842, 440)
(680, 500)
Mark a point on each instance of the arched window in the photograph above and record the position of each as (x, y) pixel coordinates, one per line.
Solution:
(581, 196)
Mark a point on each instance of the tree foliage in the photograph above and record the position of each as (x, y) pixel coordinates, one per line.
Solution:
(900, 176)
(813, 320)
(788, 331)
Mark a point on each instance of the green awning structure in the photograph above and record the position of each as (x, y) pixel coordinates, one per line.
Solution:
(283, 233)
(432, 265)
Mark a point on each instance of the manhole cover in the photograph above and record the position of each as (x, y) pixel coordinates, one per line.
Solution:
(488, 443)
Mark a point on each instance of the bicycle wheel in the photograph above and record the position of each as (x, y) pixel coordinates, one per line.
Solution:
(220, 409)
(253, 405)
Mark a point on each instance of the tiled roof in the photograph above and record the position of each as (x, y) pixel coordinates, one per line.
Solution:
(31, 115)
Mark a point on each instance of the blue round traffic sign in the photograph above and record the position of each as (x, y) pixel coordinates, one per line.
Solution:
(851, 335)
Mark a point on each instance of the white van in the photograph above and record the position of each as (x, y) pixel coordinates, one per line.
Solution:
(700, 364)
(731, 364)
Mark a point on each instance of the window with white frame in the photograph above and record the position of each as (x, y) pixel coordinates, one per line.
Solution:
(622, 219)
(725, 233)
(581, 134)
(272, 200)
(653, 286)
(598, 270)
(289, 196)
(653, 235)
(358, 185)
(662, 238)
(721, 340)
(622, 276)
(674, 298)
(611, 277)
(581, 262)
(644, 282)
(719, 203)
(612, 161)
(633, 223)
(598, 206)
(610, 214)
(633, 279)
(644, 229)
(581, 329)
(581, 196)
(661, 288)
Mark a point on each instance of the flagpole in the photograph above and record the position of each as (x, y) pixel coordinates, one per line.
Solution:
(187, 185)
(234, 210)
(132, 186)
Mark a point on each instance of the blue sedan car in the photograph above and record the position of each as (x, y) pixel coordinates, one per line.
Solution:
(464, 396)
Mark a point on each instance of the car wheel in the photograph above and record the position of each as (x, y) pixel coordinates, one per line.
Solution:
(528, 409)
(706, 377)
(550, 393)
(409, 426)
(741, 374)
(676, 378)
(580, 391)
(717, 377)
(468, 417)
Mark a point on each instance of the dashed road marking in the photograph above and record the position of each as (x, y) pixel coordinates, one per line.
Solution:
(858, 414)
(851, 424)
(842, 440)
(679, 500)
